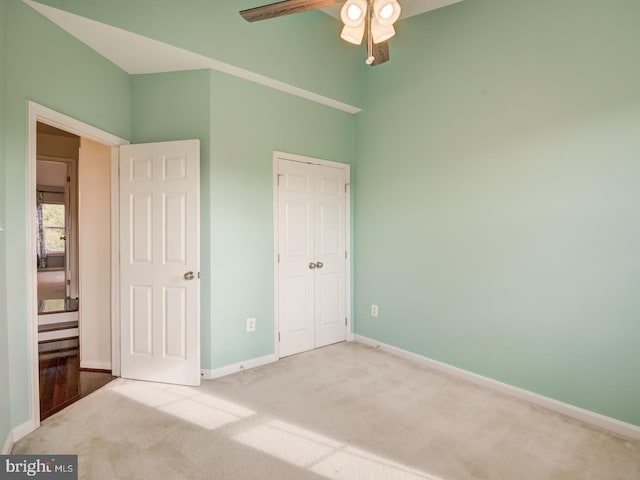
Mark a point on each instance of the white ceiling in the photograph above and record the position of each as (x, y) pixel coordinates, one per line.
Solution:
(131, 52)
(409, 7)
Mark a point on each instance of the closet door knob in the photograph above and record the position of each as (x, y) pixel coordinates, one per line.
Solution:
(319, 264)
(312, 266)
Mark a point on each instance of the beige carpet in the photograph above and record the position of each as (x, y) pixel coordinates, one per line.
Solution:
(342, 412)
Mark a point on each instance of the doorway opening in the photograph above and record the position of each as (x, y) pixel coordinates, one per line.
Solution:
(72, 173)
(68, 337)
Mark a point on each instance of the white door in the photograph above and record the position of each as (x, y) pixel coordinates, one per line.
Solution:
(312, 255)
(330, 247)
(159, 261)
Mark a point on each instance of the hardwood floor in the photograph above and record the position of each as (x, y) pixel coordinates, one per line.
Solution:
(51, 285)
(62, 382)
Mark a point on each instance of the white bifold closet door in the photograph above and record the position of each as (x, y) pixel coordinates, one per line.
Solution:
(312, 255)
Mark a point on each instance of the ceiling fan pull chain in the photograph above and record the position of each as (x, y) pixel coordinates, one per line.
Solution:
(370, 58)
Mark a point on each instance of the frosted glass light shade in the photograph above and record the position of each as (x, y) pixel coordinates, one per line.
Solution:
(353, 12)
(386, 12)
(380, 32)
(353, 34)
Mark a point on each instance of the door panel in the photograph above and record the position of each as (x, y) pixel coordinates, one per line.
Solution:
(329, 236)
(159, 237)
(295, 279)
(140, 222)
(141, 319)
(174, 322)
(312, 264)
(297, 219)
(174, 231)
(330, 251)
(328, 294)
(297, 314)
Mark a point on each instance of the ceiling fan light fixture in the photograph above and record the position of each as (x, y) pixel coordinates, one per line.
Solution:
(353, 34)
(353, 12)
(381, 32)
(386, 12)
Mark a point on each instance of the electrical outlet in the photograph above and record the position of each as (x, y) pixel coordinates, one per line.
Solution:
(374, 310)
(251, 325)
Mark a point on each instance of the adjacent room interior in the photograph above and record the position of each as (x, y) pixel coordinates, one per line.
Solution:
(488, 194)
(62, 378)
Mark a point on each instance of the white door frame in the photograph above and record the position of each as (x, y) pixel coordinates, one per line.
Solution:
(40, 113)
(327, 163)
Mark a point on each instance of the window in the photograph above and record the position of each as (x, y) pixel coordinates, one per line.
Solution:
(54, 231)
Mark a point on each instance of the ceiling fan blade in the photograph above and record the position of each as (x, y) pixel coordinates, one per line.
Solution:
(286, 7)
(380, 53)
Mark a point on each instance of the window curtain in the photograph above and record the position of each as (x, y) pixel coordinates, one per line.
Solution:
(42, 245)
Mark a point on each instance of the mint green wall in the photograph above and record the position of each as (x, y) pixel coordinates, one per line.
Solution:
(176, 106)
(5, 413)
(498, 217)
(249, 122)
(45, 65)
(304, 50)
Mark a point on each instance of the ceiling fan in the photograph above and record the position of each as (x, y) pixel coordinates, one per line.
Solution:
(371, 20)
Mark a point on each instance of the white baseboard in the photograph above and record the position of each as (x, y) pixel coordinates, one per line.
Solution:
(95, 365)
(8, 444)
(238, 367)
(607, 423)
(24, 429)
(16, 434)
